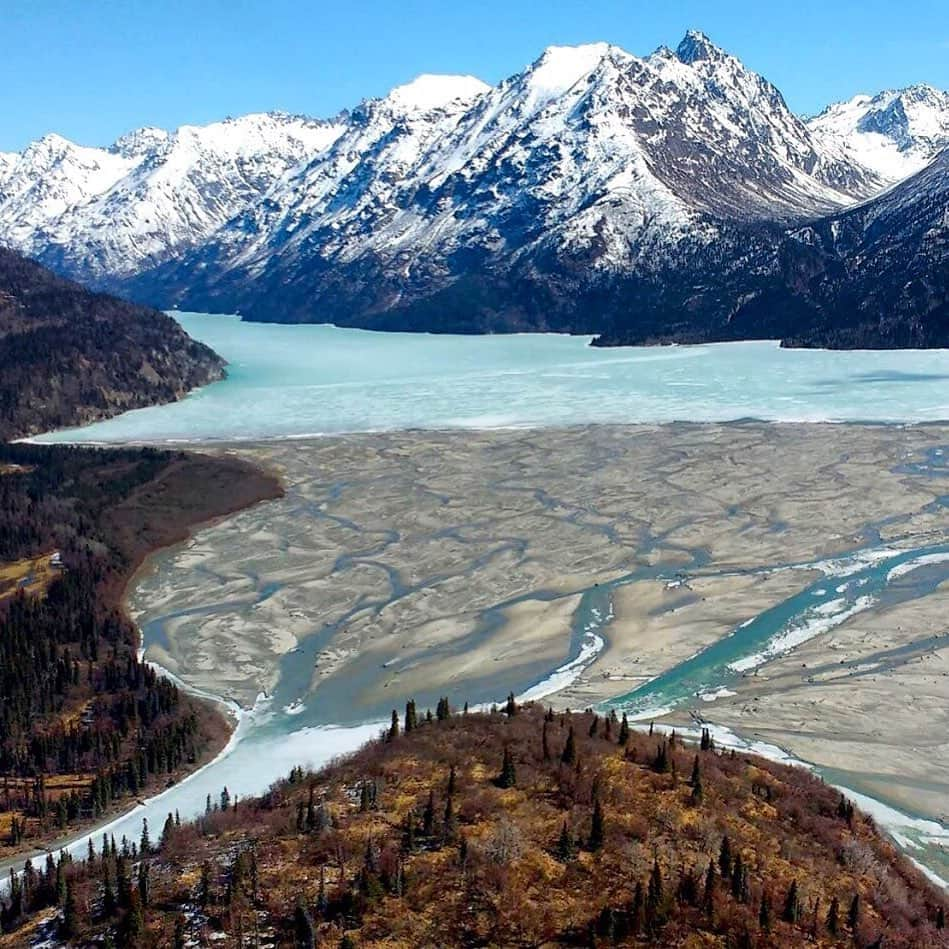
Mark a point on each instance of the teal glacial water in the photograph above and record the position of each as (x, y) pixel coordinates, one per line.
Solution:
(292, 381)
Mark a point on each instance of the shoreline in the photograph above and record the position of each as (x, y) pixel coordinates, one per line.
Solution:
(220, 719)
(427, 534)
(242, 442)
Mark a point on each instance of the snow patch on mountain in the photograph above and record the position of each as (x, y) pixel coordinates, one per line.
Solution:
(428, 92)
(895, 133)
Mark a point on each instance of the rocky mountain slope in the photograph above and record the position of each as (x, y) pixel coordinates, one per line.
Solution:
(894, 133)
(591, 156)
(874, 276)
(595, 192)
(98, 215)
(68, 356)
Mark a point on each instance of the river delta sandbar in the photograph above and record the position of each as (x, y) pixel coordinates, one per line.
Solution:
(417, 564)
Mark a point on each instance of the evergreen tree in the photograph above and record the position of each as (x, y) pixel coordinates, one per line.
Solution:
(833, 917)
(624, 731)
(428, 816)
(303, 927)
(660, 763)
(134, 924)
(411, 717)
(167, 831)
(941, 918)
(204, 887)
(510, 709)
(593, 726)
(708, 896)
(180, 937)
(725, 858)
(394, 726)
(143, 883)
(145, 847)
(792, 904)
(853, 915)
(565, 845)
(569, 754)
(737, 876)
(764, 913)
(109, 903)
(508, 775)
(69, 928)
(654, 898)
(637, 908)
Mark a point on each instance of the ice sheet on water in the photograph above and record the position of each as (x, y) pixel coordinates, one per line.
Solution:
(291, 381)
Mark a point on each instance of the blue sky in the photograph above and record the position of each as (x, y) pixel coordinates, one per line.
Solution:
(92, 69)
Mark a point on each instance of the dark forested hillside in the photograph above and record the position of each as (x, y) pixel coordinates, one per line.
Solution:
(69, 356)
(83, 723)
(515, 828)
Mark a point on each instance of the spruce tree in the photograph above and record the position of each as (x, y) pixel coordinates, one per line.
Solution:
(853, 915)
(510, 709)
(792, 904)
(708, 896)
(941, 918)
(565, 847)
(623, 731)
(833, 917)
(725, 858)
(569, 753)
(393, 732)
(764, 913)
(508, 776)
(167, 831)
(428, 815)
(144, 886)
(69, 928)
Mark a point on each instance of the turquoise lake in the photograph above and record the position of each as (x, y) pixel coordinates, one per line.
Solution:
(287, 381)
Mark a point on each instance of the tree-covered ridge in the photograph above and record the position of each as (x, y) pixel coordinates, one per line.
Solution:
(83, 722)
(515, 828)
(68, 356)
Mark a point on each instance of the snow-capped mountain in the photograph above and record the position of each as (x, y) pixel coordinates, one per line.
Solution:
(590, 155)
(590, 183)
(103, 214)
(895, 133)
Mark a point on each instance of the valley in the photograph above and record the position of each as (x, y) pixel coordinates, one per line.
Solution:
(416, 565)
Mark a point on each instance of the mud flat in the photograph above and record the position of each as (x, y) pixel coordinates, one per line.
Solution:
(427, 563)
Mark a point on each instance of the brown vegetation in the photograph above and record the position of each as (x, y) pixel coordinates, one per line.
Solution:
(521, 828)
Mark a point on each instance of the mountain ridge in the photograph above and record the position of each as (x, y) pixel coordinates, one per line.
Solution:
(590, 178)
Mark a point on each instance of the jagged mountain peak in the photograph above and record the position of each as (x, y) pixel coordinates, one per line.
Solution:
(697, 47)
